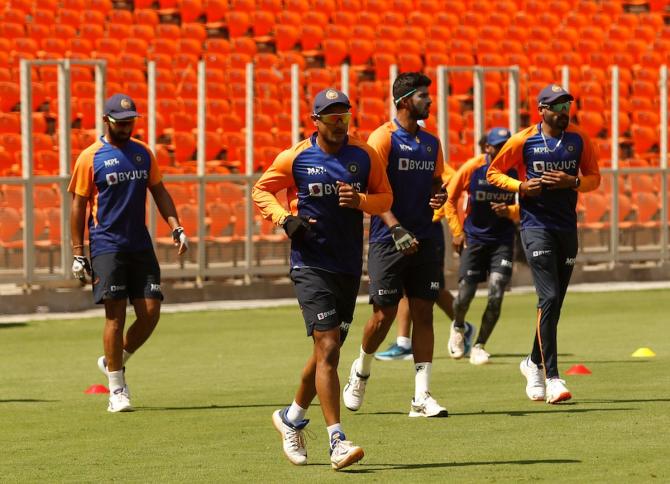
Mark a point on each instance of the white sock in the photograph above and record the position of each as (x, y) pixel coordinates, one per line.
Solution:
(422, 379)
(116, 380)
(334, 428)
(364, 363)
(404, 342)
(295, 413)
(126, 356)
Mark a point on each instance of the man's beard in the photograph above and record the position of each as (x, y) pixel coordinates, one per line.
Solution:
(115, 138)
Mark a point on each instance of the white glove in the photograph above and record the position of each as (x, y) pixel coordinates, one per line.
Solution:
(81, 267)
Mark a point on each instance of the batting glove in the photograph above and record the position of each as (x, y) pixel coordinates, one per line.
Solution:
(180, 238)
(81, 267)
(402, 238)
(296, 226)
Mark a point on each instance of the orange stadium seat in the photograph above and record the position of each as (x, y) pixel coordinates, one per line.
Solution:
(263, 23)
(190, 10)
(194, 30)
(238, 23)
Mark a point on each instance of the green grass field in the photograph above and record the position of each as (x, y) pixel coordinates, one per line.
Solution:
(206, 384)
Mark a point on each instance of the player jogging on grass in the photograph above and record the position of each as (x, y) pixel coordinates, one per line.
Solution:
(485, 242)
(331, 179)
(112, 176)
(549, 158)
(403, 258)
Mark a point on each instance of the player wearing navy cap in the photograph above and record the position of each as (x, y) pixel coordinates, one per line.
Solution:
(402, 255)
(113, 175)
(485, 243)
(549, 158)
(330, 179)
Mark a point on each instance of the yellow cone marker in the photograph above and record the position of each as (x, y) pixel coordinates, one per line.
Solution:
(643, 353)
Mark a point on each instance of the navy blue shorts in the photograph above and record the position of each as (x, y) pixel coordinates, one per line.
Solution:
(121, 275)
(478, 261)
(393, 274)
(327, 299)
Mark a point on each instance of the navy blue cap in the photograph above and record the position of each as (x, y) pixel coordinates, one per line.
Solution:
(328, 97)
(552, 93)
(120, 106)
(497, 136)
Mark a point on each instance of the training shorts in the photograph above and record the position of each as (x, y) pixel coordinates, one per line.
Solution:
(121, 275)
(327, 299)
(393, 274)
(478, 261)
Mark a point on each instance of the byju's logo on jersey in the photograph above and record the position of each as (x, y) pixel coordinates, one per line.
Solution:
(484, 196)
(112, 179)
(563, 165)
(124, 176)
(324, 189)
(315, 189)
(407, 164)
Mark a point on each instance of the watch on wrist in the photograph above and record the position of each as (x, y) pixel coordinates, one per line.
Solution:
(577, 182)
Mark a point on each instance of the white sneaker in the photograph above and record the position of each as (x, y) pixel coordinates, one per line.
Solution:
(460, 340)
(119, 401)
(534, 379)
(343, 453)
(427, 406)
(293, 439)
(557, 391)
(354, 390)
(478, 356)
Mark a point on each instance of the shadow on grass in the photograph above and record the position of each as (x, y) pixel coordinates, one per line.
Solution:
(614, 400)
(396, 467)
(12, 325)
(560, 408)
(599, 362)
(26, 400)
(216, 407)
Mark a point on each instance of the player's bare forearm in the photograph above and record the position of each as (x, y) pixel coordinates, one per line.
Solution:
(375, 203)
(165, 205)
(77, 223)
(388, 218)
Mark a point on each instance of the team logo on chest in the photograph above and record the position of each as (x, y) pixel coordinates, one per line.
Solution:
(138, 159)
(352, 168)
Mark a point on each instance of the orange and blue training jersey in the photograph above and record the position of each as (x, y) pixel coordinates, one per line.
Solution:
(115, 181)
(412, 162)
(481, 225)
(335, 242)
(530, 154)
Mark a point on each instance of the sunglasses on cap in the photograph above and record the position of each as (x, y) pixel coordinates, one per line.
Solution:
(333, 118)
(557, 107)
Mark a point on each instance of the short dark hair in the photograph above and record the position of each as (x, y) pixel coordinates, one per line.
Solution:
(408, 82)
(483, 142)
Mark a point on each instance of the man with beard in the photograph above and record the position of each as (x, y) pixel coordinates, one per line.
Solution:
(403, 257)
(113, 175)
(549, 158)
(330, 179)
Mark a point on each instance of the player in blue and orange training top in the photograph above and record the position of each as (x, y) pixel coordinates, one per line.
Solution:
(403, 257)
(331, 179)
(549, 158)
(485, 242)
(112, 176)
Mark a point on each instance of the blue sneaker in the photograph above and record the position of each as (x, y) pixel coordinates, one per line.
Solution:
(394, 352)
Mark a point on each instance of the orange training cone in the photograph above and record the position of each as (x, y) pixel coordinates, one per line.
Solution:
(578, 370)
(97, 389)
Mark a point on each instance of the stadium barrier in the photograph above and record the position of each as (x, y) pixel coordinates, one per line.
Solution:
(249, 233)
